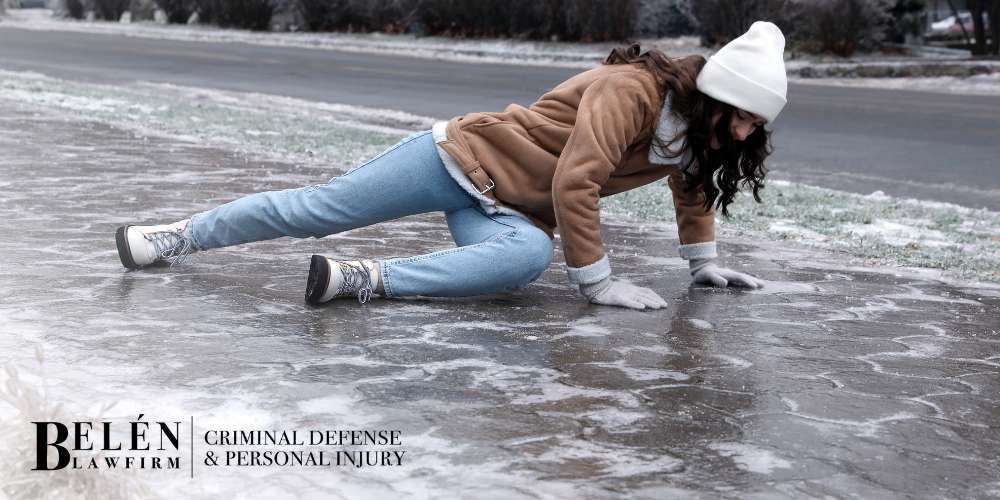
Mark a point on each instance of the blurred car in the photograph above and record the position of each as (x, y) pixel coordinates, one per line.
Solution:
(28, 4)
(951, 27)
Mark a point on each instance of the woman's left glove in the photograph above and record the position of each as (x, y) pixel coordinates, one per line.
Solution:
(706, 272)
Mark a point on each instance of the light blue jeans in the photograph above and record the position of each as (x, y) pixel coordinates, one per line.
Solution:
(494, 253)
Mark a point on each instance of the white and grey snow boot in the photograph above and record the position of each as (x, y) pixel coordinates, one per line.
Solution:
(331, 279)
(140, 246)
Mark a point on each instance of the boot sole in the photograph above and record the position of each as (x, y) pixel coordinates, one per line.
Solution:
(124, 252)
(319, 279)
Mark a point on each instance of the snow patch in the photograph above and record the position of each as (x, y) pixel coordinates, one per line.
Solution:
(751, 458)
(583, 328)
(700, 323)
(733, 361)
(900, 234)
(788, 228)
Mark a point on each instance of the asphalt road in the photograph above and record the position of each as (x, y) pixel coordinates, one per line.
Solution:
(916, 144)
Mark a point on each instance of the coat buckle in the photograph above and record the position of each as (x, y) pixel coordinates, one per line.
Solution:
(487, 188)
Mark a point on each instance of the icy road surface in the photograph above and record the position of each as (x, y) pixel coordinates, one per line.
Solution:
(833, 381)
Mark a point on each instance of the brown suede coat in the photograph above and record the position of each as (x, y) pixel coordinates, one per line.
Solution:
(588, 137)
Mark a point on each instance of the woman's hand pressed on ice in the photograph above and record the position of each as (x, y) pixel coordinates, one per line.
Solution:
(707, 272)
(611, 292)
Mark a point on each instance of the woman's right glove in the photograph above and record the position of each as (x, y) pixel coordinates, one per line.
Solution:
(611, 292)
(707, 272)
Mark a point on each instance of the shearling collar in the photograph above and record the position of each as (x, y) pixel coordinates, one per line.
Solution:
(668, 127)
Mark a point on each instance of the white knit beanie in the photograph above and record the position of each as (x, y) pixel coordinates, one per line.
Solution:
(749, 72)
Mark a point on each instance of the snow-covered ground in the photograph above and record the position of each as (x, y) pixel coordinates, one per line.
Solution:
(506, 51)
(953, 241)
(948, 240)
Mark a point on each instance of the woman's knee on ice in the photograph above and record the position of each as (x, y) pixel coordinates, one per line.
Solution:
(527, 254)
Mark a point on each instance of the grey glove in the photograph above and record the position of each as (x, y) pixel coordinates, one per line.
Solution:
(706, 272)
(611, 292)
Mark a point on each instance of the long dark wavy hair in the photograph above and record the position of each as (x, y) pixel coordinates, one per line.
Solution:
(720, 172)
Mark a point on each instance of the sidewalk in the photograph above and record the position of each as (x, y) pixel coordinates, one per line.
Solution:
(833, 380)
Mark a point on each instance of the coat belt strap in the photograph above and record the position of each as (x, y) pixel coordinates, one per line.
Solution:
(482, 181)
(472, 168)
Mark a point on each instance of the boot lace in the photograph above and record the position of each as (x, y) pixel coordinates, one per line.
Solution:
(171, 246)
(357, 280)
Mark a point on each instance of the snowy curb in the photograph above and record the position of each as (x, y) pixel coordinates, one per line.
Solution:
(960, 69)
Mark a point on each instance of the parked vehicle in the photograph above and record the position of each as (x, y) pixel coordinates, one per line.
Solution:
(26, 4)
(951, 27)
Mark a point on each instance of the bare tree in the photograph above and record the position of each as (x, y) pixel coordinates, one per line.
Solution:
(976, 7)
(993, 12)
(980, 31)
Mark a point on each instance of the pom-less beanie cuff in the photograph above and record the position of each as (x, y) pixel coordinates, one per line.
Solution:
(730, 87)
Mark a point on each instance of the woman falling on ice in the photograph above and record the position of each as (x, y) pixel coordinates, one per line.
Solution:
(506, 180)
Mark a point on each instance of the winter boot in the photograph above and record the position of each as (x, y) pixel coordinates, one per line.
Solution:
(331, 279)
(140, 246)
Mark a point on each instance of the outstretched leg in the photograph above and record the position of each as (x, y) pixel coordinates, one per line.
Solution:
(406, 179)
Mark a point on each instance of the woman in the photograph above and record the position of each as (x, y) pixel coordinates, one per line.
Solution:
(506, 180)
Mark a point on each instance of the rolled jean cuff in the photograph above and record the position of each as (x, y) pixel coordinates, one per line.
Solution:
(190, 227)
(706, 250)
(383, 271)
(590, 273)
